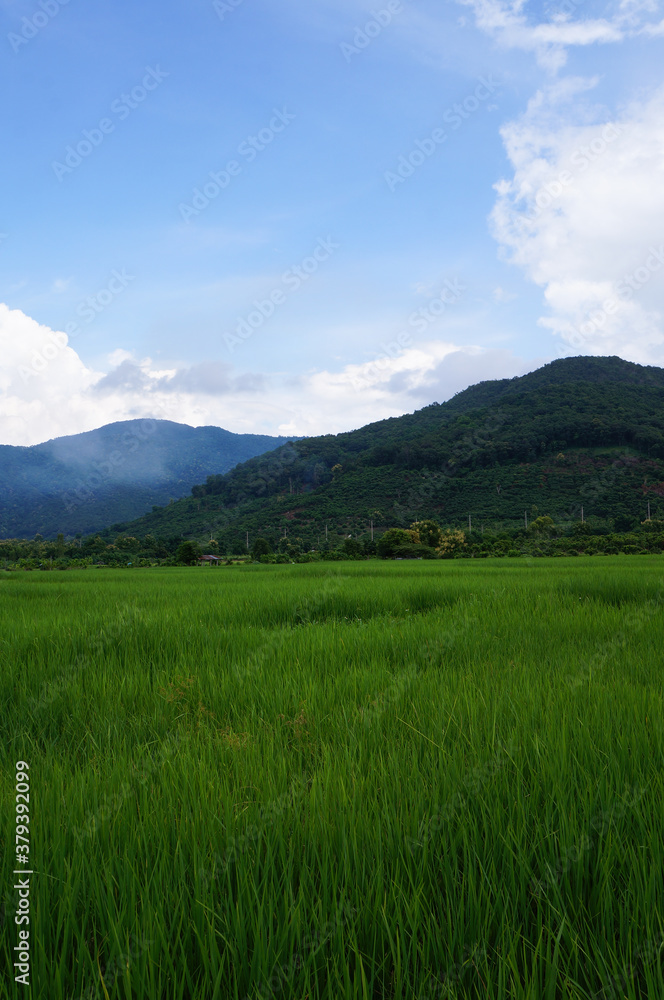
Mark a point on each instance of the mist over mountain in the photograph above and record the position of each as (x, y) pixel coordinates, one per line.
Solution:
(85, 482)
(583, 432)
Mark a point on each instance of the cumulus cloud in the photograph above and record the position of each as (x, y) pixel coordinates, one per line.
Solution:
(48, 391)
(461, 368)
(43, 382)
(583, 216)
(210, 378)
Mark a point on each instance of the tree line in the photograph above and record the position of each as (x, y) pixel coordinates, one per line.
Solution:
(424, 539)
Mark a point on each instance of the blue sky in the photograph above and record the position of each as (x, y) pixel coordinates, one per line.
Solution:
(410, 197)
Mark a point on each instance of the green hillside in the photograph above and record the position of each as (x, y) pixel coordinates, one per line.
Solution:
(84, 482)
(579, 432)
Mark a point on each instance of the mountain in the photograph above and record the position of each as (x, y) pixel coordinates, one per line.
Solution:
(582, 432)
(84, 482)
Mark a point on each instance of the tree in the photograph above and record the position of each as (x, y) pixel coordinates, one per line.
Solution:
(653, 525)
(428, 533)
(291, 547)
(393, 539)
(352, 548)
(127, 543)
(188, 553)
(451, 542)
(261, 547)
(541, 526)
(96, 544)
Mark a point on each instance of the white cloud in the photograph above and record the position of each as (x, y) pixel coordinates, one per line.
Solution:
(508, 23)
(582, 215)
(42, 381)
(654, 29)
(47, 391)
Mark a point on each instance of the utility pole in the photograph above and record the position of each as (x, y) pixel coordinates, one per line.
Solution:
(470, 525)
(372, 525)
(325, 532)
(525, 517)
(247, 541)
(582, 515)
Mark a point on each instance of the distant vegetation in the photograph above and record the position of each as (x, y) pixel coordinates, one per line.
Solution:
(423, 540)
(578, 442)
(580, 439)
(84, 482)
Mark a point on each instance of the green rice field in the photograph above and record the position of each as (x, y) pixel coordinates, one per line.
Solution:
(414, 780)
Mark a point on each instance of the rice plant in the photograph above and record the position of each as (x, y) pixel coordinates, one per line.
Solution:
(356, 780)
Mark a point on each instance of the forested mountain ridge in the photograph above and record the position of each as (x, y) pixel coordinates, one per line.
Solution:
(578, 432)
(575, 402)
(84, 482)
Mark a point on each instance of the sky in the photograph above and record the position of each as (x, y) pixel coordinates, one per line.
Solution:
(299, 218)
